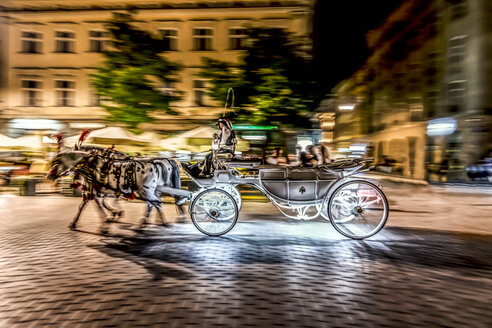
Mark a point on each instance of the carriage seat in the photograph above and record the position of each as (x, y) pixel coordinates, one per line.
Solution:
(295, 173)
(287, 173)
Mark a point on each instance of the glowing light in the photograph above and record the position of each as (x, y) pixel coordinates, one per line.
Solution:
(346, 107)
(48, 140)
(35, 124)
(87, 125)
(358, 148)
(441, 127)
(253, 137)
(253, 127)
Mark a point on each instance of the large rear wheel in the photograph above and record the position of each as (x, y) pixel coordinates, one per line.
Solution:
(357, 209)
(214, 212)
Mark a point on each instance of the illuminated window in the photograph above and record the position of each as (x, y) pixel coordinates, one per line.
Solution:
(416, 109)
(456, 95)
(31, 42)
(199, 92)
(98, 41)
(31, 93)
(237, 38)
(459, 8)
(202, 39)
(65, 93)
(457, 49)
(169, 39)
(64, 42)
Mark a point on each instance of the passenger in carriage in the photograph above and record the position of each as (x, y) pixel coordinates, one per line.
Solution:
(276, 158)
(308, 157)
(323, 155)
(226, 144)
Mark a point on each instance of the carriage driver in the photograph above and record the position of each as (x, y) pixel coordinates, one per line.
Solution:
(226, 144)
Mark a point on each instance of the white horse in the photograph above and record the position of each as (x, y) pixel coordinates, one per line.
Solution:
(142, 178)
(64, 163)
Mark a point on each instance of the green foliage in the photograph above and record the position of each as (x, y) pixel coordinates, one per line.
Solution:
(273, 81)
(129, 78)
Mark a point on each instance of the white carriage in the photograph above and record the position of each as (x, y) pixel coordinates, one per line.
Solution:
(356, 207)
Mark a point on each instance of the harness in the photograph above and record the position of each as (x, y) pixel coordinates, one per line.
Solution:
(85, 168)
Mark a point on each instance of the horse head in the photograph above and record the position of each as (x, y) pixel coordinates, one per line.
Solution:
(63, 163)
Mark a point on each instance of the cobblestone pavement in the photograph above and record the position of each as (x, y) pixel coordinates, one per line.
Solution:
(268, 273)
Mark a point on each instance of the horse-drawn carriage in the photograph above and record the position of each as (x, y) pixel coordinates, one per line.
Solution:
(356, 207)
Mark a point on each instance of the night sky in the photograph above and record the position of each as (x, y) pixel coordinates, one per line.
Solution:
(339, 33)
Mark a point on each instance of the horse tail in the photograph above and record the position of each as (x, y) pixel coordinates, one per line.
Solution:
(175, 178)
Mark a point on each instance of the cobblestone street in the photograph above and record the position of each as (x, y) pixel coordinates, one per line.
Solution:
(267, 272)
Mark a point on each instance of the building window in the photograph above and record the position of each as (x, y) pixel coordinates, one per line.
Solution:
(237, 38)
(202, 39)
(456, 95)
(31, 93)
(199, 92)
(431, 103)
(94, 98)
(65, 93)
(459, 8)
(169, 39)
(97, 41)
(457, 49)
(167, 88)
(31, 42)
(416, 109)
(64, 42)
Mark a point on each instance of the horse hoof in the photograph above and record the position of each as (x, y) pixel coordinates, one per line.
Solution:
(165, 224)
(72, 227)
(104, 230)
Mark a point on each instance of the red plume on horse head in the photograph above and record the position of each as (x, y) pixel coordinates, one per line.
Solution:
(84, 135)
(59, 139)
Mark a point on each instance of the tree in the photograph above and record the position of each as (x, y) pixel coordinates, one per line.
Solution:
(132, 72)
(273, 81)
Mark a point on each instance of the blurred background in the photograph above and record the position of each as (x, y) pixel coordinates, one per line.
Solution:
(406, 82)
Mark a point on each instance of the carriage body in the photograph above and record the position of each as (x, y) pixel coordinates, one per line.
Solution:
(300, 193)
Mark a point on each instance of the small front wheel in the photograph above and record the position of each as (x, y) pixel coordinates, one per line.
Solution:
(358, 209)
(214, 212)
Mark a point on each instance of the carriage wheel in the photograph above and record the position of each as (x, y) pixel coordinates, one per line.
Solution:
(230, 189)
(358, 209)
(214, 212)
(233, 191)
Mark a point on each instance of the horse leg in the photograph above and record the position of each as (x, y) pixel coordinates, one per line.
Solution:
(116, 211)
(82, 205)
(104, 218)
(158, 206)
(180, 209)
(100, 208)
(144, 218)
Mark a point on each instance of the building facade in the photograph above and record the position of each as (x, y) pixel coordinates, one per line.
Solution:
(423, 99)
(49, 49)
